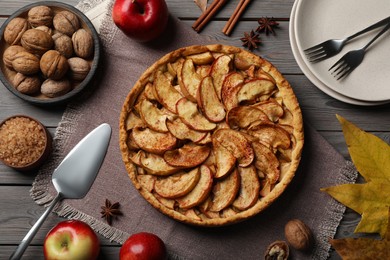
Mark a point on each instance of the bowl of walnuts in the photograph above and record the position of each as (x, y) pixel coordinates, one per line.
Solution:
(49, 52)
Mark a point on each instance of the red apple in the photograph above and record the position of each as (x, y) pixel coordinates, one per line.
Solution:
(142, 20)
(143, 246)
(71, 239)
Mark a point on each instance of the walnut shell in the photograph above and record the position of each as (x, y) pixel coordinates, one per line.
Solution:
(63, 44)
(298, 234)
(82, 43)
(40, 15)
(45, 29)
(66, 22)
(14, 30)
(53, 65)
(78, 68)
(25, 63)
(36, 41)
(28, 85)
(55, 88)
(9, 54)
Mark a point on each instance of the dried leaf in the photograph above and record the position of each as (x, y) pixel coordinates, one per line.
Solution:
(363, 248)
(202, 4)
(371, 157)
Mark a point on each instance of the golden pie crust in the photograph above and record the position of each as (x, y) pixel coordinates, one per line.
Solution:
(211, 135)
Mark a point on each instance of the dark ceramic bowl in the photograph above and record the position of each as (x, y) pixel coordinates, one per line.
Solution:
(7, 74)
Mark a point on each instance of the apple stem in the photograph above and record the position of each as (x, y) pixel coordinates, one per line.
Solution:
(140, 8)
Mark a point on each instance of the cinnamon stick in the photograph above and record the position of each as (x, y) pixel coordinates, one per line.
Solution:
(235, 16)
(208, 14)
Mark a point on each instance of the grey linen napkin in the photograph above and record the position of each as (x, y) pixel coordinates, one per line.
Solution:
(123, 62)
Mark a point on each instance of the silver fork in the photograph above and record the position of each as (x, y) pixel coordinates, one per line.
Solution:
(330, 48)
(352, 59)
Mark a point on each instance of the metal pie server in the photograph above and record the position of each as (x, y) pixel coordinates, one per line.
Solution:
(74, 176)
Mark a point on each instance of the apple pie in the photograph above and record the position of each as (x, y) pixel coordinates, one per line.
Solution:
(211, 135)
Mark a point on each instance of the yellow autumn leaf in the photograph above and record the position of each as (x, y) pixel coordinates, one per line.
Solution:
(363, 248)
(371, 157)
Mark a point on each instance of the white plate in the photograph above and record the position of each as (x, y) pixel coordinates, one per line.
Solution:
(319, 20)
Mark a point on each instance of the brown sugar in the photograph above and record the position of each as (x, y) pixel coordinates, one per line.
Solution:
(22, 141)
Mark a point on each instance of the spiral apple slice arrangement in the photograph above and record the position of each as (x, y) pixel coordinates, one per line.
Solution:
(211, 135)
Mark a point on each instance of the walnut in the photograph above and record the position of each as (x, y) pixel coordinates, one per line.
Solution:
(26, 63)
(53, 65)
(45, 29)
(40, 15)
(55, 88)
(277, 250)
(9, 54)
(298, 234)
(78, 68)
(82, 43)
(63, 44)
(66, 22)
(28, 85)
(14, 30)
(36, 41)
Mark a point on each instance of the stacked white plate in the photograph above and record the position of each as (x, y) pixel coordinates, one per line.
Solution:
(314, 21)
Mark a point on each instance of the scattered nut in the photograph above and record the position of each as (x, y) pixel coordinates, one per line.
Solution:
(66, 22)
(14, 30)
(78, 68)
(9, 54)
(28, 85)
(278, 250)
(53, 65)
(63, 44)
(36, 41)
(298, 235)
(26, 63)
(40, 15)
(52, 88)
(82, 43)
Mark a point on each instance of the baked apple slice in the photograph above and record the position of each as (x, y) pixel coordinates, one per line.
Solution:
(152, 141)
(224, 160)
(156, 165)
(230, 87)
(209, 102)
(133, 121)
(225, 191)
(271, 135)
(237, 144)
(147, 181)
(187, 156)
(242, 117)
(266, 162)
(177, 185)
(200, 192)
(181, 131)
(249, 188)
(189, 113)
(271, 108)
(153, 117)
(189, 80)
(254, 89)
(218, 71)
(203, 58)
(165, 93)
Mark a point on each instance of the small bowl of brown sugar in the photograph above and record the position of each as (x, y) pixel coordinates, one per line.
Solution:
(24, 143)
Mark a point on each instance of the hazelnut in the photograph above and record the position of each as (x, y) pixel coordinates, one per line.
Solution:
(66, 22)
(14, 30)
(63, 44)
(78, 68)
(55, 88)
(26, 63)
(9, 54)
(28, 85)
(298, 234)
(82, 43)
(53, 65)
(40, 15)
(45, 29)
(277, 250)
(36, 41)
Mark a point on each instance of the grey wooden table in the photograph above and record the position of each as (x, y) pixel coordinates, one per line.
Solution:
(18, 212)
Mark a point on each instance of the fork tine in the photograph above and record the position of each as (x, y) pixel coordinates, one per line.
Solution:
(318, 57)
(346, 72)
(320, 45)
(338, 62)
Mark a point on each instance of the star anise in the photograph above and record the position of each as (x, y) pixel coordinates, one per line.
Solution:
(110, 211)
(251, 40)
(267, 25)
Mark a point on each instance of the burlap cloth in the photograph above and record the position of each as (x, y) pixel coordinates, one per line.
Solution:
(123, 62)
